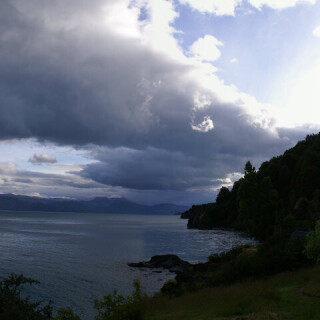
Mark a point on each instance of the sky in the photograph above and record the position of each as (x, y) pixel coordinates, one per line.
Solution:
(156, 101)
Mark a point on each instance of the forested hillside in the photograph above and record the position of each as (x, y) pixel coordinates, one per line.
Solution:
(281, 197)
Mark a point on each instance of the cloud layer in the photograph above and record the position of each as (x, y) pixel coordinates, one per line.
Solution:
(119, 85)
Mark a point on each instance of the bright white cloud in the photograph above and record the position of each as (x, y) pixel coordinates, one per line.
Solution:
(123, 18)
(218, 7)
(228, 7)
(201, 100)
(302, 105)
(228, 180)
(316, 32)
(206, 48)
(158, 33)
(279, 4)
(205, 126)
(158, 30)
(234, 60)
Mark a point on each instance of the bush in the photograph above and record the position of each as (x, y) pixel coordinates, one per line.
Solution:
(170, 288)
(278, 254)
(112, 307)
(312, 247)
(14, 307)
(117, 307)
(228, 255)
(66, 314)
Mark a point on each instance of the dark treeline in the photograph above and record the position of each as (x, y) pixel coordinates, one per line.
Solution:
(282, 197)
(279, 204)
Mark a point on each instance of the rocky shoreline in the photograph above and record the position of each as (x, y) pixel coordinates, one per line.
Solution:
(185, 271)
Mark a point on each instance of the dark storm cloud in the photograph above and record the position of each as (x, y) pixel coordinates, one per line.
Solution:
(67, 82)
(204, 161)
(81, 87)
(148, 169)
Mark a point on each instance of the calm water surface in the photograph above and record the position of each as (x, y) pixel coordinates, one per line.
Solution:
(78, 257)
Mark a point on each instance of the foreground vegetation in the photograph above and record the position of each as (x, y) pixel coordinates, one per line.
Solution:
(286, 296)
(14, 306)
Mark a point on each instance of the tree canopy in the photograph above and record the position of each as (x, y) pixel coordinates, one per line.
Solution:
(281, 197)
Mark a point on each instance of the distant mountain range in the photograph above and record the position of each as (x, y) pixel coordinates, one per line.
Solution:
(96, 205)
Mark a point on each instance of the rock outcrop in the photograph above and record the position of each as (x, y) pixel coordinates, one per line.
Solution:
(168, 261)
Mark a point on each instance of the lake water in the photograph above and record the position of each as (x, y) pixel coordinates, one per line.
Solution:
(78, 257)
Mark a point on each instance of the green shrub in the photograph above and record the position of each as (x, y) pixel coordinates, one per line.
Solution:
(66, 314)
(118, 307)
(171, 288)
(312, 247)
(15, 307)
(248, 265)
(228, 255)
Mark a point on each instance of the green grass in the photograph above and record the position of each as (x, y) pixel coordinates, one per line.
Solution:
(286, 296)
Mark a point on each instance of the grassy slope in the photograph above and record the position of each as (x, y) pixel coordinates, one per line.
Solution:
(290, 296)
